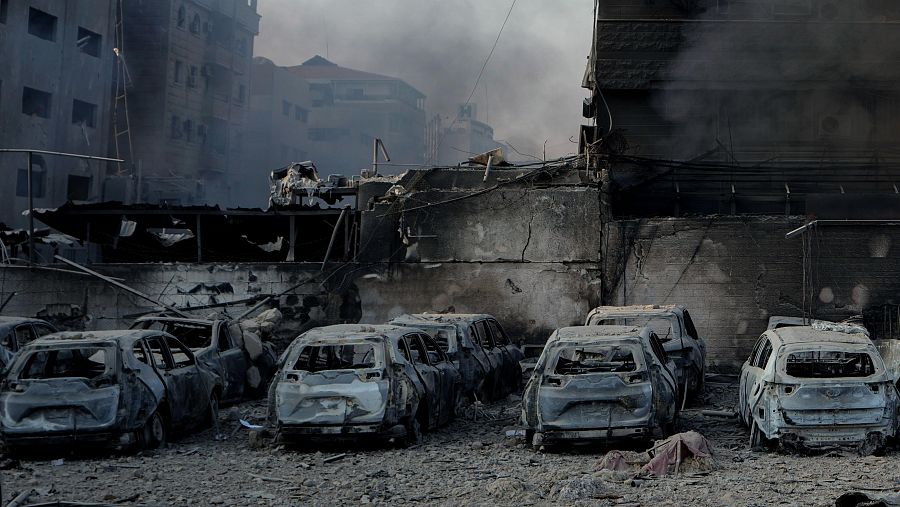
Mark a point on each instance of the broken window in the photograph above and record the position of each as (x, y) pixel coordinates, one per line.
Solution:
(188, 127)
(195, 24)
(195, 336)
(179, 71)
(498, 333)
(38, 179)
(4, 8)
(180, 354)
(175, 128)
(432, 349)
(24, 335)
(36, 102)
(78, 188)
(658, 350)
(84, 113)
(140, 354)
(43, 329)
(158, 353)
(84, 362)
(224, 340)
(484, 336)
(829, 364)
(182, 16)
(301, 114)
(192, 77)
(352, 356)
(241, 94)
(285, 108)
(662, 326)
(418, 353)
(764, 354)
(41, 24)
(595, 359)
(89, 42)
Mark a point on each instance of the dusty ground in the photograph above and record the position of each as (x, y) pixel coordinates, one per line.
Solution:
(468, 463)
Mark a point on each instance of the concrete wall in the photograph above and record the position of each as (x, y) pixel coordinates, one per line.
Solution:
(731, 273)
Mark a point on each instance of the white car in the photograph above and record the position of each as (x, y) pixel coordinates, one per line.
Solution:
(813, 388)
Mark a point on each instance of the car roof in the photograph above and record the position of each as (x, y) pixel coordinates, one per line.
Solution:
(590, 334)
(122, 337)
(347, 332)
(445, 318)
(11, 320)
(807, 334)
(636, 309)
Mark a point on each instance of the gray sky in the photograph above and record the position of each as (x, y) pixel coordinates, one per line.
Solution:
(531, 90)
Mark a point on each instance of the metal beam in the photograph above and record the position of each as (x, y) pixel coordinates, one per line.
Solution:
(121, 286)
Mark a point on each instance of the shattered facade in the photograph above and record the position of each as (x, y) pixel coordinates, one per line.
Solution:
(189, 63)
(55, 94)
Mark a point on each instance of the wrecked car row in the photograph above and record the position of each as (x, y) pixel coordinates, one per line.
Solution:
(390, 381)
(126, 388)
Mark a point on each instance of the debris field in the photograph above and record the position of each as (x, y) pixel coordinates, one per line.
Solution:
(471, 461)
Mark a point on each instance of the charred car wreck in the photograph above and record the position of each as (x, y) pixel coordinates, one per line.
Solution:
(676, 330)
(16, 332)
(478, 346)
(119, 389)
(599, 383)
(243, 361)
(362, 380)
(813, 388)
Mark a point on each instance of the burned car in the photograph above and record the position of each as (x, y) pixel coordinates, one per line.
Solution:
(106, 388)
(676, 330)
(359, 380)
(848, 326)
(244, 363)
(16, 332)
(478, 346)
(599, 383)
(812, 388)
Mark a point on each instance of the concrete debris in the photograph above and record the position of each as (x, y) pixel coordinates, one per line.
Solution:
(586, 487)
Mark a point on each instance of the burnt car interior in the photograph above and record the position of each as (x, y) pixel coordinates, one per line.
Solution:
(599, 359)
(829, 364)
(195, 336)
(316, 358)
(88, 362)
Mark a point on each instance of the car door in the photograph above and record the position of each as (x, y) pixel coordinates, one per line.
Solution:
(181, 378)
(755, 374)
(665, 380)
(448, 375)
(428, 374)
(495, 356)
(480, 360)
(746, 381)
(234, 363)
(513, 353)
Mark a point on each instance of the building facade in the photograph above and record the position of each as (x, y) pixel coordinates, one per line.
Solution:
(55, 95)
(277, 128)
(188, 88)
(792, 88)
(453, 141)
(349, 109)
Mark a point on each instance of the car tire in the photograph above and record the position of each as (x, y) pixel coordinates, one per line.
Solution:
(757, 441)
(153, 434)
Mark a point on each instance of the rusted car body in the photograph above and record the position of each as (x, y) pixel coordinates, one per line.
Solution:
(676, 330)
(806, 387)
(220, 345)
(599, 383)
(478, 346)
(354, 380)
(16, 332)
(112, 389)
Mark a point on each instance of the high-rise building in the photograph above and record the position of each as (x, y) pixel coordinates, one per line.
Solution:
(188, 88)
(55, 95)
(455, 140)
(277, 127)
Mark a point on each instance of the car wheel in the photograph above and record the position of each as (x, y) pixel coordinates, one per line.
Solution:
(756, 437)
(154, 432)
(413, 432)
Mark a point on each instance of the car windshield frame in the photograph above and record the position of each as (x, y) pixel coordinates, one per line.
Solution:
(18, 369)
(377, 361)
(561, 349)
(878, 367)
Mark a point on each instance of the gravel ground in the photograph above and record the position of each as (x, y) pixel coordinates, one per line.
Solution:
(470, 462)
